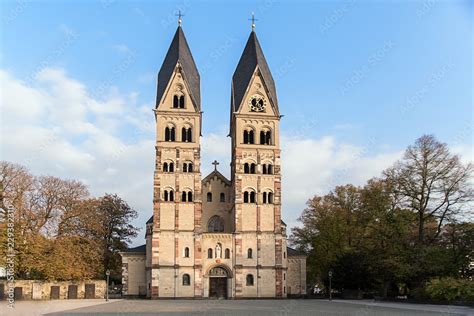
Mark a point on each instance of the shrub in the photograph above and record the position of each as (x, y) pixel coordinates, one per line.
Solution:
(450, 289)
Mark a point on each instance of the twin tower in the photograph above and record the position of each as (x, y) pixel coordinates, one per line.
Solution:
(216, 237)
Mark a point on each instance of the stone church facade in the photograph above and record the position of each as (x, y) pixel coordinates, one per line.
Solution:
(215, 237)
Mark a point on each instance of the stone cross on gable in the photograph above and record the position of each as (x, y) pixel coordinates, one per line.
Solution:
(215, 163)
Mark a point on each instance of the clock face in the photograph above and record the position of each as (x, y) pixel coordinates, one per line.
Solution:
(257, 103)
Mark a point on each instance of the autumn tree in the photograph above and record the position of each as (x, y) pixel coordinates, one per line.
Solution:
(431, 182)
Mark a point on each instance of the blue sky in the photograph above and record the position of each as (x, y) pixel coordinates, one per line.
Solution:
(357, 81)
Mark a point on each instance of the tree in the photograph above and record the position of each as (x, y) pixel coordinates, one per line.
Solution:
(116, 232)
(60, 231)
(431, 182)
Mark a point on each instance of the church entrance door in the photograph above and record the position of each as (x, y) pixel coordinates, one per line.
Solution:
(218, 283)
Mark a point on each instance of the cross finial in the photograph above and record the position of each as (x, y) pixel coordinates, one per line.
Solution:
(215, 163)
(253, 19)
(179, 15)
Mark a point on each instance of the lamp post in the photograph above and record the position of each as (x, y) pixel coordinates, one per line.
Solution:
(330, 285)
(107, 273)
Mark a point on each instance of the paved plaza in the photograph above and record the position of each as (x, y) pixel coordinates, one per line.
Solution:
(228, 307)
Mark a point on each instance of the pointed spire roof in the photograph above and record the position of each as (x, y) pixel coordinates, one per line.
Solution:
(251, 57)
(179, 52)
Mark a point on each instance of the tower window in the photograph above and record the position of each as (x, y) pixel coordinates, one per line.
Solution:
(209, 253)
(168, 167)
(186, 252)
(168, 195)
(186, 196)
(178, 101)
(249, 253)
(222, 197)
(227, 253)
(215, 224)
(267, 169)
(186, 279)
(249, 280)
(249, 197)
(209, 196)
(187, 167)
(267, 197)
(170, 134)
(249, 168)
(186, 134)
(248, 136)
(265, 137)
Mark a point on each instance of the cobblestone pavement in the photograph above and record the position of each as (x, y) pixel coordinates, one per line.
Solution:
(229, 307)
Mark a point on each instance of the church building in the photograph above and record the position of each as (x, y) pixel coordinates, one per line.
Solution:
(215, 237)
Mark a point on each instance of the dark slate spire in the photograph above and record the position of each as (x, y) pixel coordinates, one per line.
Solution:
(251, 57)
(179, 52)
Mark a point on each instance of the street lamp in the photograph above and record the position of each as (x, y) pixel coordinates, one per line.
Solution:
(107, 273)
(330, 285)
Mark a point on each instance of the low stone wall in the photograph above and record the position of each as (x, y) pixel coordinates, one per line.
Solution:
(45, 290)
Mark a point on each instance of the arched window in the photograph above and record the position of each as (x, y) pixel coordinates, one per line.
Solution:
(262, 137)
(227, 253)
(265, 137)
(284, 254)
(249, 136)
(249, 253)
(171, 167)
(249, 197)
(268, 138)
(175, 102)
(249, 280)
(186, 279)
(165, 167)
(209, 253)
(187, 167)
(168, 195)
(246, 168)
(209, 196)
(186, 134)
(267, 169)
(222, 197)
(252, 168)
(267, 197)
(215, 224)
(186, 196)
(252, 197)
(170, 134)
(186, 252)
(181, 102)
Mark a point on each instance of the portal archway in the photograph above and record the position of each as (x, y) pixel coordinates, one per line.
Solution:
(218, 281)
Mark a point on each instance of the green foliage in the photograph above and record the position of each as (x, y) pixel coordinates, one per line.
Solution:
(450, 289)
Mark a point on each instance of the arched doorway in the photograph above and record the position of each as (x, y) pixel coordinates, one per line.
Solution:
(218, 282)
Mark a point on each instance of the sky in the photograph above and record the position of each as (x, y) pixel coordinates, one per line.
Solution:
(357, 82)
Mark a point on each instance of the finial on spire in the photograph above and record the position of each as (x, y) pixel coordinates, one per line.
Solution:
(253, 19)
(179, 15)
(215, 163)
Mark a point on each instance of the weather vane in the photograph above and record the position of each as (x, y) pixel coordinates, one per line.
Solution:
(253, 19)
(179, 15)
